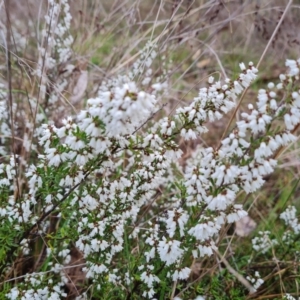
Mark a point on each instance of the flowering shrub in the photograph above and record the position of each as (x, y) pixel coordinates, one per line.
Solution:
(107, 183)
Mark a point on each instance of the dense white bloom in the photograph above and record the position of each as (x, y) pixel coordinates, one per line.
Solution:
(122, 109)
(222, 200)
(13, 293)
(221, 98)
(204, 231)
(262, 151)
(95, 269)
(149, 278)
(205, 249)
(169, 251)
(109, 172)
(176, 217)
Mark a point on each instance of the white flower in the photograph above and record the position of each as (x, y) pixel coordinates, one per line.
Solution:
(211, 80)
(242, 66)
(204, 231)
(56, 158)
(293, 65)
(290, 219)
(181, 274)
(74, 143)
(263, 242)
(188, 134)
(149, 278)
(222, 200)
(150, 254)
(169, 251)
(206, 249)
(176, 217)
(13, 294)
(289, 297)
(237, 214)
(262, 151)
(288, 121)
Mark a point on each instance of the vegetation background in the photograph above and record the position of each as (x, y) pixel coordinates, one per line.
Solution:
(195, 39)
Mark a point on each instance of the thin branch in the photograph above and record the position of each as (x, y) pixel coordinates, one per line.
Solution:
(257, 66)
(238, 276)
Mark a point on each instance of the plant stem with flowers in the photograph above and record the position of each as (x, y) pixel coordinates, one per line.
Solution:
(109, 185)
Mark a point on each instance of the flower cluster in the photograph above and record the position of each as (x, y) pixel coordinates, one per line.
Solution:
(290, 297)
(263, 242)
(54, 70)
(290, 219)
(55, 36)
(107, 180)
(257, 281)
(41, 286)
(106, 199)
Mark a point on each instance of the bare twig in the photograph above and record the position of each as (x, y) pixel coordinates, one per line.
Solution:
(238, 276)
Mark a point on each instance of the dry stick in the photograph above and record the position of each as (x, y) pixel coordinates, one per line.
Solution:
(43, 273)
(174, 289)
(274, 33)
(10, 98)
(216, 56)
(238, 276)
(196, 280)
(156, 18)
(257, 66)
